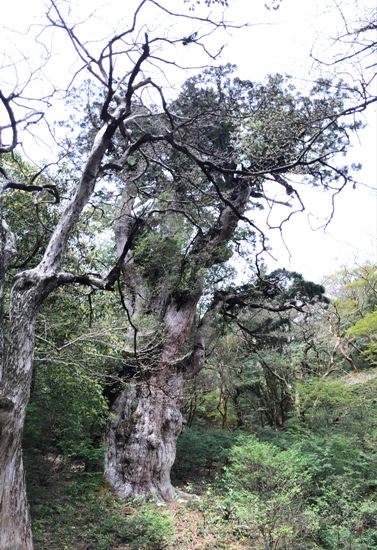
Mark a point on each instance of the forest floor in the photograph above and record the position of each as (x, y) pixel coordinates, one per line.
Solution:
(78, 517)
(198, 527)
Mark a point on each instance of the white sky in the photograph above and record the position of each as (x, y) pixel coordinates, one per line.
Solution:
(284, 46)
(276, 41)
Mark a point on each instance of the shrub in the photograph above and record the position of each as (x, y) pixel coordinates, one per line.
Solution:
(318, 492)
(148, 529)
(266, 489)
(202, 452)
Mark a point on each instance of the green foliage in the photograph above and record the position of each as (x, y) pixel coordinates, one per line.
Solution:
(278, 122)
(149, 529)
(352, 315)
(304, 482)
(341, 491)
(68, 411)
(30, 215)
(266, 488)
(319, 491)
(339, 406)
(76, 513)
(366, 325)
(201, 453)
(156, 254)
(82, 512)
(65, 418)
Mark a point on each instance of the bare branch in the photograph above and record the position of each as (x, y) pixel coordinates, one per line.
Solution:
(50, 188)
(13, 125)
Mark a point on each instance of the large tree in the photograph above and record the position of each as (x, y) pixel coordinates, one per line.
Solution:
(32, 286)
(188, 174)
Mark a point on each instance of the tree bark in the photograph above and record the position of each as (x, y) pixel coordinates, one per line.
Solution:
(146, 418)
(29, 290)
(15, 526)
(142, 436)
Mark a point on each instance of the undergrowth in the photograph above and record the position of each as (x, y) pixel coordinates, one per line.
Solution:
(80, 512)
(83, 513)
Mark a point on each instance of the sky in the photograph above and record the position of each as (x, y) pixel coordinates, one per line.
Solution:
(284, 45)
(275, 41)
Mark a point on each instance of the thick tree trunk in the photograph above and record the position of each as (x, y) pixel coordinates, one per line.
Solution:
(146, 418)
(142, 436)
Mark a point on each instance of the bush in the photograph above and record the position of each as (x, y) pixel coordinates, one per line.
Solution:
(148, 529)
(202, 453)
(342, 491)
(266, 488)
(317, 491)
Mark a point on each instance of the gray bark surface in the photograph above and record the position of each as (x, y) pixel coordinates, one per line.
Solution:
(142, 437)
(15, 526)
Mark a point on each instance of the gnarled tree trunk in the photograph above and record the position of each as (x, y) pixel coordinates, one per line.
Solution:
(146, 419)
(142, 436)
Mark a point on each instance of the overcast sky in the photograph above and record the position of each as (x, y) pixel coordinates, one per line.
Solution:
(276, 41)
(284, 45)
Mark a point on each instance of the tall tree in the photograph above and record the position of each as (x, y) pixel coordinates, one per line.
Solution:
(186, 211)
(187, 179)
(32, 286)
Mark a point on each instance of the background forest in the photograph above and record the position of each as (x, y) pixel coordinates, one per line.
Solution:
(281, 433)
(161, 387)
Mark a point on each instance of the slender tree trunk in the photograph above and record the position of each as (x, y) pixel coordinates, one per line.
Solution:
(30, 289)
(15, 528)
